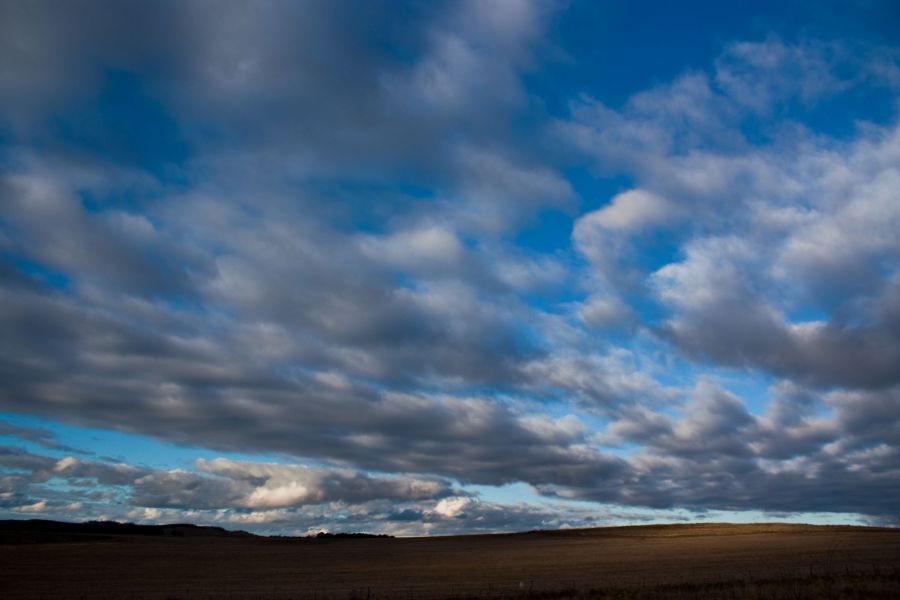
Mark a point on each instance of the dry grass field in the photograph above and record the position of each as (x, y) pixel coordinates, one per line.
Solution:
(672, 561)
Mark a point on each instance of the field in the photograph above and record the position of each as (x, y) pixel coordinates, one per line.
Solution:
(672, 561)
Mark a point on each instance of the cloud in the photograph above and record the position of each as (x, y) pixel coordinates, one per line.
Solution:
(215, 484)
(173, 382)
(760, 75)
(17, 459)
(450, 508)
(606, 313)
(600, 382)
(37, 435)
(344, 270)
(103, 473)
(37, 507)
(721, 316)
(227, 288)
(631, 211)
(424, 248)
(798, 221)
(293, 485)
(271, 498)
(715, 424)
(714, 453)
(118, 249)
(608, 236)
(497, 193)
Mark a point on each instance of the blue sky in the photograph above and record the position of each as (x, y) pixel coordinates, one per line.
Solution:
(428, 268)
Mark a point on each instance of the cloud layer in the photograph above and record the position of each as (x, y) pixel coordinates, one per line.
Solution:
(365, 238)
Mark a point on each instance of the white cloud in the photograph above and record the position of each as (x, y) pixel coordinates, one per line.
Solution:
(291, 493)
(257, 517)
(450, 508)
(37, 507)
(421, 248)
(145, 515)
(606, 312)
(632, 211)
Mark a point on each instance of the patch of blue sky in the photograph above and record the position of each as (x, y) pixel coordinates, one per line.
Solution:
(648, 310)
(807, 313)
(666, 367)
(624, 450)
(625, 47)
(841, 115)
(759, 516)
(595, 189)
(123, 125)
(179, 303)
(510, 493)
(659, 248)
(550, 231)
(564, 408)
(130, 448)
(752, 387)
(614, 514)
(56, 280)
(367, 205)
(130, 198)
(606, 513)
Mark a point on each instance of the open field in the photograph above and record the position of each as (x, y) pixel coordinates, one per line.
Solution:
(672, 561)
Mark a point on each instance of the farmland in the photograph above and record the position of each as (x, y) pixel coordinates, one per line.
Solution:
(665, 561)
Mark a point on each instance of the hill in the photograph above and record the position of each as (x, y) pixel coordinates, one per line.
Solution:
(43, 531)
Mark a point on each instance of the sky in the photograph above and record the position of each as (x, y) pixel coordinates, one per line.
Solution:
(427, 268)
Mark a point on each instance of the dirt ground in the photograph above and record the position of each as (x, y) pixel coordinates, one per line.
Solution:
(538, 564)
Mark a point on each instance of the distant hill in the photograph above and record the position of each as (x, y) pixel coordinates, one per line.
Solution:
(324, 535)
(13, 531)
(43, 530)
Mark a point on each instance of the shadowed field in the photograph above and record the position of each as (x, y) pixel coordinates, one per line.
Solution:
(672, 561)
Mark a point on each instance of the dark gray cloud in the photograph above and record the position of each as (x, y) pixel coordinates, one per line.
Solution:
(116, 250)
(17, 459)
(37, 435)
(716, 424)
(173, 383)
(602, 383)
(723, 314)
(324, 86)
(796, 457)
